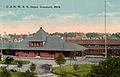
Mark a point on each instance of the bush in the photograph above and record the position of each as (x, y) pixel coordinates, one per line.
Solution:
(32, 67)
(22, 62)
(0, 57)
(27, 74)
(76, 67)
(4, 72)
(19, 64)
(8, 60)
(13, 70)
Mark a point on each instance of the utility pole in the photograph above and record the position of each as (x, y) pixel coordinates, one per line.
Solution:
(1, 46)
(105, 30)
(1, 51)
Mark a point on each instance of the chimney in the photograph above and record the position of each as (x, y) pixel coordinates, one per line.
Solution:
(40, 27)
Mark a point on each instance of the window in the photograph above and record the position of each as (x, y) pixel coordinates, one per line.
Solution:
(30, 44)
(36, 43)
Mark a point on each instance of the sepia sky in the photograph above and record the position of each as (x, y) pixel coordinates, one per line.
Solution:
(72, 16)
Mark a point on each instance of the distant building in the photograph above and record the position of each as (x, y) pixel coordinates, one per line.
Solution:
(11, 38)
(80, 36)
(40, 44)
(18, 38)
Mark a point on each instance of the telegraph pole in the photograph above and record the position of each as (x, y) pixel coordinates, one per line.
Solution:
(105, 29)
(1, 46)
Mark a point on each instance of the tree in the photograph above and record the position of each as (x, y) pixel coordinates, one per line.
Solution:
(27, 74)
(72, 56)
(60, 60)
(117, 35)
(32, 67)
(107, 68)
(8, 60)
(4, 72)
(92, 35)
(19, 64)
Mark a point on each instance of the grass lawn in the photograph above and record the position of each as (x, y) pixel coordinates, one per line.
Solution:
(83, 70)
(14, 74)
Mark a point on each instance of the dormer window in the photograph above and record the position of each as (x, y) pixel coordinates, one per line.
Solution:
(36, 43)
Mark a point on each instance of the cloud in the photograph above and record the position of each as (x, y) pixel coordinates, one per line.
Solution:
(57, 23)
(30, 17)
(53, 19)
(109, 14)
(9, 13)
(62, 19)
(69, 16)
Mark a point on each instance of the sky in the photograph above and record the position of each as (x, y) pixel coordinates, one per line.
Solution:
(72, 16)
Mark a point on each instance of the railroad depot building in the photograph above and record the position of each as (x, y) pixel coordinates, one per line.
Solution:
(40, 44)
(97, 47)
